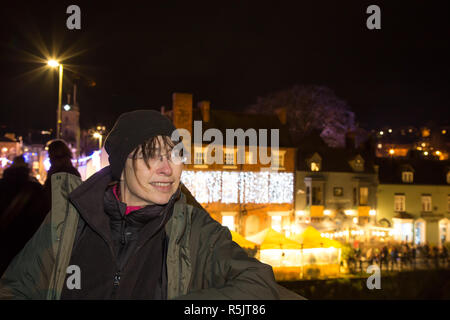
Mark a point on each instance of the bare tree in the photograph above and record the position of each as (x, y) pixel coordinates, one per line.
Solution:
(310, 108)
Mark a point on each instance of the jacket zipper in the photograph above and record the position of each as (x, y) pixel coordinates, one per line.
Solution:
(117, 275)
(116, 283)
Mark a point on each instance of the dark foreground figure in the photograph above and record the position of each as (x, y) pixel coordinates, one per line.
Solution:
(22, 209)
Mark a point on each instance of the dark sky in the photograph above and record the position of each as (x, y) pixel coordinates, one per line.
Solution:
(228, 52)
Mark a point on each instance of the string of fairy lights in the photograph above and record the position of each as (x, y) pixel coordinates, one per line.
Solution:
(240, 187)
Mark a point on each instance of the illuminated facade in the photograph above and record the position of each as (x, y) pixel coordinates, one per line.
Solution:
(337, 185)
(247, 197)
(414, 199)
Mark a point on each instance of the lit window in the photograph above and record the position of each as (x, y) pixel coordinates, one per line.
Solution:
(399, 203)
(426, 203)
(448, 177)
(363, 196)
(198, 157)
(314, 166)
(278, 161)
(407, 176)
(251, 158)
(228, 221)
(229, 157)
(276, 223)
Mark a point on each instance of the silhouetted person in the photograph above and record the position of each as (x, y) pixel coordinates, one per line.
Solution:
(22, 210)
(436, 256)
(413, 256)
(61, 161)
(444, 255)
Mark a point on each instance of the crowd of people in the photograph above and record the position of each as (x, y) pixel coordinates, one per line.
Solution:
(24, 202)
(398, 256)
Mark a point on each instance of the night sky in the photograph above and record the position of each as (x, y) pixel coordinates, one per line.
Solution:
(228, 52)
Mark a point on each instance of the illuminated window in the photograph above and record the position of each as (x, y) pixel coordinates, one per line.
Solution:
(314, 166)
(276, 223)
(228, 221)
(425, 132)
(363, 196)
(251, 157)
(229, 156)
(198, 157)
(407, 176)
(399, 203)
(448, 177)
(426, 203)
(278, 161)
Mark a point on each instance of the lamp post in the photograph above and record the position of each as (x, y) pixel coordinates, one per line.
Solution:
(54, 64)
(99, 136)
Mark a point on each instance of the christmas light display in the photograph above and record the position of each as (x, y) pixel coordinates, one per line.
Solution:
(230, 183)
(233, 186)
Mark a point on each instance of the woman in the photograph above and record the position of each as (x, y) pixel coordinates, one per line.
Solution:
(130, 232)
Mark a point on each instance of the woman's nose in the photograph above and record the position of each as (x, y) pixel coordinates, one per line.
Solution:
(164, 166)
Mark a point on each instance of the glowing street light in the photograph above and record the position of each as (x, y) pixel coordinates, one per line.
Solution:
(391, 151)
(53, 63)
(99, 136)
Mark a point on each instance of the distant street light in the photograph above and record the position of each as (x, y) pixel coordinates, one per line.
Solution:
(53, 63)
(99, 136)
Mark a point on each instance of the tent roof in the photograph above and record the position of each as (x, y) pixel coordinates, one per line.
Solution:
(311, 238)
(240, 240)
(271, 239)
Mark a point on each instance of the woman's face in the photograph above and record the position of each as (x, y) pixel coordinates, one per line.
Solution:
(155, 184)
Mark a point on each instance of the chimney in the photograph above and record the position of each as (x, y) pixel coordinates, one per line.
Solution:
(75, 94)
(182, 111)
(282, 114)
(204, 108)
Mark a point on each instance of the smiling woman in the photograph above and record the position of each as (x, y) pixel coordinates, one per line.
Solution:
(149, 240)
(150, 176)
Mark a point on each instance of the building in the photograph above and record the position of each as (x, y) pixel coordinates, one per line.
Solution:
(70, 125)
(335, 185)
(414, 198)
(430, 142)
(241, 190)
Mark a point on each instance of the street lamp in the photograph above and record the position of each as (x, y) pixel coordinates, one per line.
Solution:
(54, 64)
(99, 136)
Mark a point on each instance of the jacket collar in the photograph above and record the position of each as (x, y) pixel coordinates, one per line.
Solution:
(88, 199)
